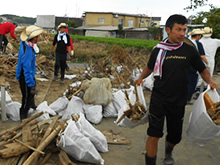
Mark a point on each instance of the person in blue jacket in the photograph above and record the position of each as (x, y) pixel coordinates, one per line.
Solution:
(25, 70)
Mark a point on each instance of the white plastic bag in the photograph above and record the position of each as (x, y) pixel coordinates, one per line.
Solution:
(118, 100)
(75, 106)
(78, 146)
(60, 104)
(43, 107)
(13, 110)
(149, 82)
(201, 127)
(126, 122)
(110, 110)
(7, 97)
(95, 136)
(93, 113)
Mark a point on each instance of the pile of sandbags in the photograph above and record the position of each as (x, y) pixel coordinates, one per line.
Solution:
(76, 138)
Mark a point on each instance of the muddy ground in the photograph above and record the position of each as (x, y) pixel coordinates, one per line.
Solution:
(186, 153)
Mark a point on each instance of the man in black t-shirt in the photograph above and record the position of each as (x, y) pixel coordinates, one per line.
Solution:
(170, 62)
(62, 40)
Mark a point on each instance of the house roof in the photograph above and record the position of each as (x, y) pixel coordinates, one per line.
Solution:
(110, 28)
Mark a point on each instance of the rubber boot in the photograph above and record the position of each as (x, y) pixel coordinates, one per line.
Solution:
(149, 160)
(168, 155)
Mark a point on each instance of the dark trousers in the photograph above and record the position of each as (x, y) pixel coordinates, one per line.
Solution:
(27, 98)
(193, 78)
(174, 120)
(5, 40)
(60, 64)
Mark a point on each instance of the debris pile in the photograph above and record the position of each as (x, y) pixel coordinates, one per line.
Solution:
(213, 109)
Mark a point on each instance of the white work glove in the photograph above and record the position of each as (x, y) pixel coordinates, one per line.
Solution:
(72, 52)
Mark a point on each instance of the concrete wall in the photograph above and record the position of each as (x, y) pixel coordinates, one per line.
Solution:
(95, 33)
(46, 21)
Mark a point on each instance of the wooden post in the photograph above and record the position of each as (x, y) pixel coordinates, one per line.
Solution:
(3, 113)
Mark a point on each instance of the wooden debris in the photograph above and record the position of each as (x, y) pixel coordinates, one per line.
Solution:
(213, 109)
(64, 159)
(34, 156)
(16, 149)
(115, 138)
(46, 158)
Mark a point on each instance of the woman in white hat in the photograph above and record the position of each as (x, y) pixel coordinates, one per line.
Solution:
(62, 40)
(210, 45)
(25, 70)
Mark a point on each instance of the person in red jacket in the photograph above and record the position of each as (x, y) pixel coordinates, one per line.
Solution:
(72, 50)
(5, 28)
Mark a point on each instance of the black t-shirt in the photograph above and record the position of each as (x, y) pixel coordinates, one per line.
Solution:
(200, 48)
(61, 45)
(172, 87)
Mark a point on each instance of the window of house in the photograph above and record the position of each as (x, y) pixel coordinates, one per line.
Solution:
(120, 21)
(130, 23)
(101, 20)
(141, 21)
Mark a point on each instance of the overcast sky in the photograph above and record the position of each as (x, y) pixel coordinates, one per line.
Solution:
(75, 8)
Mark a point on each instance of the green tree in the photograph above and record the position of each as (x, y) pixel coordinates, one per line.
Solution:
(154, 31)
(120, 31)
(71, 23)
(210, 19)
(194, 4)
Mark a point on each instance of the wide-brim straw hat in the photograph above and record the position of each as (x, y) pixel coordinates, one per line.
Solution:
(196, 31)
(31, 32)
(208, 32)
(62, 25)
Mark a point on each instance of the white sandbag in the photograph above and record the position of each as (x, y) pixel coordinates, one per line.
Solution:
(110, 110)
(126, 122)
(99, 92)
(128, 90)
(43, 107)
(75, 106)
(78, 146)
(13, 110)
(93, 113)
(149, 82)
(7, 97)
(60, 104)
(95, 136)
(43, 117)
(118, 100)
(201, 127)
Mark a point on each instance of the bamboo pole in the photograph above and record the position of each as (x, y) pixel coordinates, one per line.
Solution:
(23, 123)
(34, 156)
(50, 128)
(19, 134)
(28, 146)
(47, 157)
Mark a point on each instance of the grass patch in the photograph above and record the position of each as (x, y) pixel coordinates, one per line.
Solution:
(124, 43)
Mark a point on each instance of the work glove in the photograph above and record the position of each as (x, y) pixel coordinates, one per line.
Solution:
(34, 90)
(17, 40)
(208, 66)
(68, 56)
(51, 55)
(72, 52)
